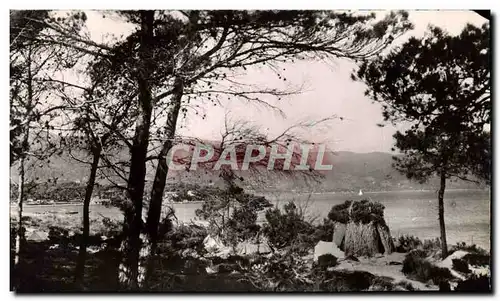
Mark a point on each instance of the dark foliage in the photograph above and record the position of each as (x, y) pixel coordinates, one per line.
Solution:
(346, 281)
(183, 238)
(363, 211)
(417, 267)
(324, 231)
(366, 211)
(327, 260)
(288, 229)
(460, 265)
(406, 243)
(477, 259)
(478, 284)
(340, 213)
(473, 249)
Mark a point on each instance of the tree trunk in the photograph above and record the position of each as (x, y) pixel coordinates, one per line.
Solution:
(155, 205)
(444, 246)
(20, 199)
(129, 270)
(24, 149)
(82, 253)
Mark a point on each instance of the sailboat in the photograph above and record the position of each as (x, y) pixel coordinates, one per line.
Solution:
(360, 193)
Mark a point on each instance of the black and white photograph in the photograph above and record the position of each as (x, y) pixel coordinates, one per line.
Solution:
(250, 151)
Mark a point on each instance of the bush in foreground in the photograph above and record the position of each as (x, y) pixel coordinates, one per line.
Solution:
(474, 284)
(326, 261)
(417, 267)
(460, 265)
(477, 259)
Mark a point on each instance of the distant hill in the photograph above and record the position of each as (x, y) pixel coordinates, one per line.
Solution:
(351, 172)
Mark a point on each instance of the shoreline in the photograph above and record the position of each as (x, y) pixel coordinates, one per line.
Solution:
(270, 194)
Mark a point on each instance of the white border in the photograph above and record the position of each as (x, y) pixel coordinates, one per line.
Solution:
(192, 4)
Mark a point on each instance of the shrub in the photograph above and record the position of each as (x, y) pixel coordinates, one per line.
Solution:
(340, 213)
(468, 248)
(327, 260)
(460, 265)
(406, 285)
(477, 259)
(408, 243)
(187, 237)
(346, 281)
(324, 231)
(474, 284)
(58, 234)
(382, 283)
(365, 212)
(417, 267)
(288, 229)
(432, 247)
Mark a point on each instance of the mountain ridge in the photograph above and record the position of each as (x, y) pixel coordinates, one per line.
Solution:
(351, 171)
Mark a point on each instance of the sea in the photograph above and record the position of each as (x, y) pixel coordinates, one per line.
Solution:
(467, 212)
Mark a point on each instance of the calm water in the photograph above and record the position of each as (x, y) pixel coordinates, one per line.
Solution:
(467, 212)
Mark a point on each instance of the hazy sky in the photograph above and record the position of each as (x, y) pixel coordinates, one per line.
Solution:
(328, 90)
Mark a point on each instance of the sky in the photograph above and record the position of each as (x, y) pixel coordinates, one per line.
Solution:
(327, 91)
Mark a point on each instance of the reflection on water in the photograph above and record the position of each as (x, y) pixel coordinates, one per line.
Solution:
(467, 212)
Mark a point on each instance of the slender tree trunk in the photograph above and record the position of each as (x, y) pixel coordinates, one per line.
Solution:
(20, 200)
(129, 269)
(155, 205)
(24, 149)
(82, 253)
(444, 246)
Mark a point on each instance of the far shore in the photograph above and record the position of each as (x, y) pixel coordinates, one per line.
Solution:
(13, 204)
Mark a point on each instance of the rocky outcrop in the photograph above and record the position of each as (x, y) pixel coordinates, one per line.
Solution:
(384, 234)
(339, 234)
(361, 239)
(360, 228)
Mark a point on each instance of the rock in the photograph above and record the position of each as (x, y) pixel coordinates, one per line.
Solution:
(448, 261)
(212, 244)
(385, 238)
(361, 239)
(339, 234)
(361, 230)
(324, 247)
(210, 270)
(247, 248)
(38, 236)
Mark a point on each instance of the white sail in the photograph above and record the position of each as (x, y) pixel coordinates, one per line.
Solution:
(360, 192)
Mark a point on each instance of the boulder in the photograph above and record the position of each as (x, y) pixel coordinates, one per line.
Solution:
(360, 228)
(339, 234)
(361, 239)
(385, 238)
(326, 247)
(38, 236)
(214, 245)
(247, 248)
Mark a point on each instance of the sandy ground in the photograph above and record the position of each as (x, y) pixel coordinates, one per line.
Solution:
(381, 266)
